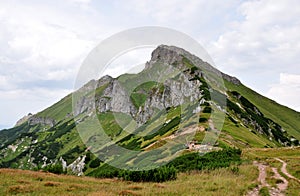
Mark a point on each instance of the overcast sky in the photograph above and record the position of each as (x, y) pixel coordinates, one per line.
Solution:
(43, 43)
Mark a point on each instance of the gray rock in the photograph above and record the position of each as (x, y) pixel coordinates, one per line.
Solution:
(77, 166)
(168, 67)
(23, 119)
(34, 120)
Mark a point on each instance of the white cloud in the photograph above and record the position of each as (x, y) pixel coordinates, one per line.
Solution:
(287, 92)
(5, 83)
(178, 11)
(267, 35)
(260, 43)
(82, 4)
(16, 103)
(42, 43)
(80, 1)
(132, 61)
(41, 48)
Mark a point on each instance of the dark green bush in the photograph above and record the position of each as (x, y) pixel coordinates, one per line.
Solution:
(207, 109)
(73, 154)
(187, 162)
(202, 119)
(95, 163)
(160, 174)
(55, 168)
(209, 161)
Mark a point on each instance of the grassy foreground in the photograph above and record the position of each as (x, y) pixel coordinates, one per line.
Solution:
(234, 180)
(218, 182)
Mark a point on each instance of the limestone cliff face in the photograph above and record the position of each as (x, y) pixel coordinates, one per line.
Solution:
(109, 95)
(171, 54)
(112, 95)
(34, 120)
(176, 92)
(170, 66)
(116, 99)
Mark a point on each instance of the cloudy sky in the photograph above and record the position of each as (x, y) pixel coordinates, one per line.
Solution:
(43, 43)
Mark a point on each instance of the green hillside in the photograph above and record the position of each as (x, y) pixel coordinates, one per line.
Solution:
(289, 119)
(141, 121)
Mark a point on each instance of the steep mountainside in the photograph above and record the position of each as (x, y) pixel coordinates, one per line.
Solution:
(177, 102)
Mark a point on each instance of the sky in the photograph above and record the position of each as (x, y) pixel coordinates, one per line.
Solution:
(43, 43)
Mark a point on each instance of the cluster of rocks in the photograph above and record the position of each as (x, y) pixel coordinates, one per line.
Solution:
(34, 120)
(76, 167)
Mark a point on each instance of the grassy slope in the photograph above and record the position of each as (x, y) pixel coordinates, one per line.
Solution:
(218, 182)
(241, 137)
(286, 117)
(59, 110)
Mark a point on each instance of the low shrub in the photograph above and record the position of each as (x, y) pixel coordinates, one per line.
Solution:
(54, 168)
(160, 174)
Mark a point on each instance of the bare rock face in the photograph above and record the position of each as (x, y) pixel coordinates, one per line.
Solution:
(84, 102)
(165, 54)
(23, 119)
(77, 166)
(171, 54)
(231, 79)
(113, 96)
(170, 66)
(117, 99)
(34, 120)
(176, 92)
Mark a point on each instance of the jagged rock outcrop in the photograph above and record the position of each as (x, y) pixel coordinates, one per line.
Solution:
(112, 95)
(176, 92)
(34, 120)
(109, 96)
(231, 79)
(172, 54)
(117, 99)
(77, 166)
(23, 119)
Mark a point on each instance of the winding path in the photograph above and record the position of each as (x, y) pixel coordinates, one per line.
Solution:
(282, 184)
(261, 179)
(284, 170)
(281, 187)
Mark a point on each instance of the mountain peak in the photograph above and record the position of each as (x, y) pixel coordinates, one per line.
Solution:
(169, 54)
(147, 111)
(173, 55)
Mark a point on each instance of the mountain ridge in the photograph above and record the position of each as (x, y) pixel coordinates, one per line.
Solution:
(145, 111)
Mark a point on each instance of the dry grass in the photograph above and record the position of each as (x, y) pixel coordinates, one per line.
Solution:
(18, 189)
(218, 182)
(51, 184)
